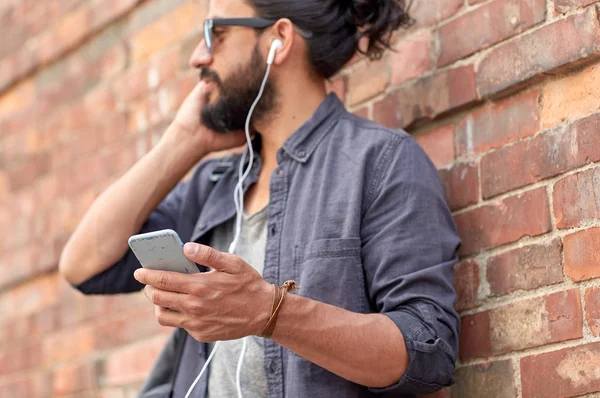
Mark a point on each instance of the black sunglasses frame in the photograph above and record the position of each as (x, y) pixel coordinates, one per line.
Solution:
(256, 23)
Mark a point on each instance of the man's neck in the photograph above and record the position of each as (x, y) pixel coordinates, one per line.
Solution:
(297, 102)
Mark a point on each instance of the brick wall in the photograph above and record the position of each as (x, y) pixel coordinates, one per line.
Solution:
(504, 95)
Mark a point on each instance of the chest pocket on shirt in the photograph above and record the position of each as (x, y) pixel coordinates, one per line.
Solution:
(330, 271)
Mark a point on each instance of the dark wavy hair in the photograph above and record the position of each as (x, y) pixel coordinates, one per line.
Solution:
(337, 26)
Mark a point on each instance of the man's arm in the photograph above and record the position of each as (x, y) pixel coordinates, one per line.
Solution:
(100, 240)
(366, 349)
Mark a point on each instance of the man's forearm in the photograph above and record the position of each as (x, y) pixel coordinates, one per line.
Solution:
(367, 349)
(101, 238)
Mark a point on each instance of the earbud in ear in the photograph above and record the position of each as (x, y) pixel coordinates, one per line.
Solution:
(277, 44)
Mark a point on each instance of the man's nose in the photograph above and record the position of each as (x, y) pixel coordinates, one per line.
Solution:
(201, 57)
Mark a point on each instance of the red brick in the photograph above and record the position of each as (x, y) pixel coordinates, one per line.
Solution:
(582, 258)
(568, 372)
(461, 184)
(69, 32)
(128, 328)
(525, 268)
(166, 30)
(439, 145)
(67, 345)
(490, 379)
(31, 297)
(592, 309)
(428, 13)
(496, 125)
(110, 10)
(337, 85)
(14, 358)
(525, 324)
(563, 6)
(504, 221)
(571, 97)
(368, 80)
(567, 43)
(411, 57)
(427, 98)
(132, 364)
(362, 112)
(544, 156)
(70, 379)
(487, 25)
(26, 385)
(577, 199)
(466, 283)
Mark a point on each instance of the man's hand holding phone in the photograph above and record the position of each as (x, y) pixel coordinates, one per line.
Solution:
(230, 302)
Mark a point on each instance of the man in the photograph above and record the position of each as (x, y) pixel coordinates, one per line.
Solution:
(349, 210)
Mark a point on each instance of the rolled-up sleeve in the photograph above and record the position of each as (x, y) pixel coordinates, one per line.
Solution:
(119, 278)
(409, 250)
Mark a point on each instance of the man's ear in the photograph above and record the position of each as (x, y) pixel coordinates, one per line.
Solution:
(284, 31)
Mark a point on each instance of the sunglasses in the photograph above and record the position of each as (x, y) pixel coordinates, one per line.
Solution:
(256, 23)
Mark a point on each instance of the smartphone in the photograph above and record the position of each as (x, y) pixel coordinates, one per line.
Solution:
(162, 251)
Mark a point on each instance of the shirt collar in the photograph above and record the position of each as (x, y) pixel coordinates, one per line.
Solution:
(304, 141)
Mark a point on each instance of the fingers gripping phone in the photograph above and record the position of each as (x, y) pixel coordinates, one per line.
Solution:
(162, 251)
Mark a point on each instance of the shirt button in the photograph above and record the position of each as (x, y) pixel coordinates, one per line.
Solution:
(273, 229)
(280, 172)
(301, 154)
(202, 227)
(273, 367)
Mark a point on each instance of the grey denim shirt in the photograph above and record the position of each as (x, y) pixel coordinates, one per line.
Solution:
(357, 217)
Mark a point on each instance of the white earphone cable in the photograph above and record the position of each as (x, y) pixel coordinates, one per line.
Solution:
(238, 198)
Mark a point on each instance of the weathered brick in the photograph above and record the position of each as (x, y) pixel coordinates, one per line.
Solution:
(368, 80)
(411, 57)
(337, 85)
(504, 221)
(577, 199)
(67, 345)
(525, 268)
(69, 32)
(19, 98)
(33, 296)
(461, 184)
(70, 379)
(466, 283)
(109, 10)
(132, 364)
(427, 98)
(525, 324)
(592, 309)
(439, 145)
(166, 30)
(128, 328)
(582, 259)
(496, 125)
(563, 6)
(541, 157)
(568, 372)
(490, 379)
(430, 12)
(567, 43)
(571, 98)
(487, 25)
(15, 358)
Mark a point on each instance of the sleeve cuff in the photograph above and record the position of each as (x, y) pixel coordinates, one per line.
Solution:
(432, 361)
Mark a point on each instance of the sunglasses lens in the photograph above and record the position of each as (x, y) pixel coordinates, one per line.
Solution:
(208, 35)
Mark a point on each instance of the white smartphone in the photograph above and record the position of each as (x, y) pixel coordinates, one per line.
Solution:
(162, 251)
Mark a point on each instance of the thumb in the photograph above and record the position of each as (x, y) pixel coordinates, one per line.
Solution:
(209, 257)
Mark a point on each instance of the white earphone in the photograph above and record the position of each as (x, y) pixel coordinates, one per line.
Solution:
(277, 44)
(239, 205)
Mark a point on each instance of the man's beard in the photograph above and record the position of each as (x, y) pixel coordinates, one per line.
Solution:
(236, 96)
